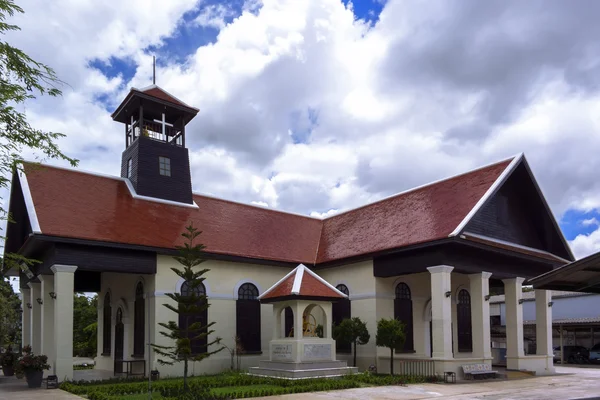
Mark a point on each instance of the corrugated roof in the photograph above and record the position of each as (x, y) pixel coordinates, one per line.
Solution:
(530, 296)
(567, 321)
(73, 204)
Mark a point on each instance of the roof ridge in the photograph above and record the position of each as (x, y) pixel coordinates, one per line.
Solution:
(423, 186)
(155, 86)
(256, 206)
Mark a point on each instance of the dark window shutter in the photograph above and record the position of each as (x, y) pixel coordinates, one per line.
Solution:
(248, 324)
(403, 312)
(341, 310)
(107, 326)
(463, 320)
(139, 321)
(248, 318)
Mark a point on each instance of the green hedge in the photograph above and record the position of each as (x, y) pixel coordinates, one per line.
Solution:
(201, 386)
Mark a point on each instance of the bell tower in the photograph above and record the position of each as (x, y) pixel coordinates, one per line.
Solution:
(155, 159)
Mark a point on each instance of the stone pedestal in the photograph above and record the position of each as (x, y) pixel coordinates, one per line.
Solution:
(300, 356)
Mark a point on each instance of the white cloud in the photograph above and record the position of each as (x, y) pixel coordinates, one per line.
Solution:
(584, 245)
(590, 221)
(373, 109)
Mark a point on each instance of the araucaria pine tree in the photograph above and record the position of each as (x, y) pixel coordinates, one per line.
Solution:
(189, 304)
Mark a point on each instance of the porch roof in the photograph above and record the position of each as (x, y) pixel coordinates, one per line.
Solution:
(582, 275)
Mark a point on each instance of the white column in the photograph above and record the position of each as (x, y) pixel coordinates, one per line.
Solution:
(441, 311)
(480, 314)
(514, 322)
(64, 282)
(298, 320)
(100, 324)
(543, 327)
(36, 317)
(129, 330)
(47, 340)
(25, 317)
(276, 321)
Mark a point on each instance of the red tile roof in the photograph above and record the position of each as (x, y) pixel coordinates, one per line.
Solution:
(302, 282)
(421, 215)
(72, 204)
(159, 93)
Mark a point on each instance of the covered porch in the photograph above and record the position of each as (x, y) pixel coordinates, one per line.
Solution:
(71, 266)
(446, 308)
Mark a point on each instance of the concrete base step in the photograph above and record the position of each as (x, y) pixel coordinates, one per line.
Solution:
(306, 365)
(302, 373)
(512, 374)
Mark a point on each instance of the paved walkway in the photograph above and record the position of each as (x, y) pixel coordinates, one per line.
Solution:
(572, 383)
(12, 388)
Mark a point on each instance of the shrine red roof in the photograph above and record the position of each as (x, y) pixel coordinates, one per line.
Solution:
(74, 204)
(299, 283)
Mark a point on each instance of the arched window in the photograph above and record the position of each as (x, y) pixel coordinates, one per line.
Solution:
(341, 310)
(463, 322)
(403, 312)
(106, 326)
(139, 319)
(248, 318)
(198, 346)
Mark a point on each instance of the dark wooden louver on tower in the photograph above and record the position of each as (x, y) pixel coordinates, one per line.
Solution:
(155, 159)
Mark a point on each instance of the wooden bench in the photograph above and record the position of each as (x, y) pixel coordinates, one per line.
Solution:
(473, 371)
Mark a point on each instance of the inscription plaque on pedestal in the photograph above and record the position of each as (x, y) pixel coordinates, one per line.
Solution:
(281, 351)
(317, 352)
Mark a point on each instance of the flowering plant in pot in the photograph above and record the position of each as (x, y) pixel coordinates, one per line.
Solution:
(7, 361)
(33, 366)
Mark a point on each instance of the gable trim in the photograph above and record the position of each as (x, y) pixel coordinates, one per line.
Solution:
(511, 244)
(549, 211)
(33, 219)
(488, 194)
(298, 279)
(278, 283)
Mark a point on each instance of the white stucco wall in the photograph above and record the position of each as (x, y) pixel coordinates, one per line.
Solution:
(361, 283)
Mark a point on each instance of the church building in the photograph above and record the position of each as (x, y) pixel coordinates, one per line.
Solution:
(429, 256)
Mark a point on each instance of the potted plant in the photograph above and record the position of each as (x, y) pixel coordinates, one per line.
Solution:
(33, 366)
(7, 360)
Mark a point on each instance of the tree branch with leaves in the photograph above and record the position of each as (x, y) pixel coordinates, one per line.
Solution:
(22, 79)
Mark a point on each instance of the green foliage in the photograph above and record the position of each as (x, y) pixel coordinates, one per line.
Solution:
(85, 325)
(21, 79)
(390, 334)
(231, 385)
(352, 331)
(187, 305)
(10, 314)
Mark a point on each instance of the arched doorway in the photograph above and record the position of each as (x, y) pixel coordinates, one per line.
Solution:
(119, 341)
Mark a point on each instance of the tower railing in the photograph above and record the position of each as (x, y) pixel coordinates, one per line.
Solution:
(154, 130)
